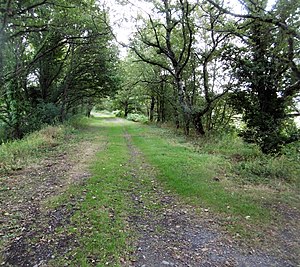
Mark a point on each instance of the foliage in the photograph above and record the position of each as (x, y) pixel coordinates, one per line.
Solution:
(77, 122)
(16, 154)
(249, 164)
(132, 95)
(137, 117)
(55, 60)
(104, 104)
(227, 144)
(118, 113)
(268, 82)
(210, 64)
(267, 169)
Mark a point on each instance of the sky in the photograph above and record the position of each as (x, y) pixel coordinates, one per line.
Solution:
(122, 17)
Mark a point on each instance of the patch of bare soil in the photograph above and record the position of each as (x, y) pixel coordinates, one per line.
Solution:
(33, 234)
(177, 235)
(288, 232)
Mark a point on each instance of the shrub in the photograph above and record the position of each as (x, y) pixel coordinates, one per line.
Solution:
(78, 122)
(119, 113)
(137, 118)
(228, 144)
(249, 164)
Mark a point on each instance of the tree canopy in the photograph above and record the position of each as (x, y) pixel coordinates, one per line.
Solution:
(56, 57)
(198, 64)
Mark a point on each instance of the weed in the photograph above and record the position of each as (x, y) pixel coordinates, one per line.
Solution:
(78, 122)
(249, 164)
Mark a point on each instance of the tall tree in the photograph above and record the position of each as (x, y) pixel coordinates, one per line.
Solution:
(172, 39)
(266, 62)
(267, 72)
(55, 56)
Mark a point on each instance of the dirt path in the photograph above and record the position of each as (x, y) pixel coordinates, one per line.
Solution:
(177, 235)
(168, 232)
(28, 226)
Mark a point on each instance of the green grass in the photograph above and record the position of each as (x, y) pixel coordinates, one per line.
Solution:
(102, 214)
(219, 174)
(17, 154)
(190, 168)
(191, 175)
(100, 222)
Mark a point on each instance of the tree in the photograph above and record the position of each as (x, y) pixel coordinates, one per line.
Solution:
(172, 40)
(187, 43)
(265, 63)
(269, 82)
(214, 78)
(55, 57)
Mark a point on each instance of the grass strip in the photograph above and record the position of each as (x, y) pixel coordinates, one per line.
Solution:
(192, 176)
(99, 223)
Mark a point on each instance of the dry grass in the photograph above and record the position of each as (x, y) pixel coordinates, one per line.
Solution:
(16, 154)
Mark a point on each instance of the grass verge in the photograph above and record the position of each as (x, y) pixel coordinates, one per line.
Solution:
(16, 154)
(206, 176)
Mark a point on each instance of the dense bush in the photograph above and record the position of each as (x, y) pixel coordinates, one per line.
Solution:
(77, 122)
(137, 118)
(118, 113)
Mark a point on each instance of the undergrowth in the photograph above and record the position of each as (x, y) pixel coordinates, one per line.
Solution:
(16, 154)
(249, 164)
(137, 118)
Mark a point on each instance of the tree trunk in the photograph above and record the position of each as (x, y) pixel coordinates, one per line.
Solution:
(176, 115)
(198, 124)
(63, 110)
(152, 105)
(183, 104)
(89, 108)
(158, 108)
(126, 109)
(162, 109)
(187, 127)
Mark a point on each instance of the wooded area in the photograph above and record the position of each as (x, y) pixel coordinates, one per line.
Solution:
(56, 58)
(197, 64)
(209, 177)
